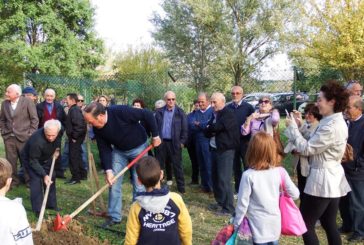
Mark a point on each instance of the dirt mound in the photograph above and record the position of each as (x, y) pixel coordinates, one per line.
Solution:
(74, 235)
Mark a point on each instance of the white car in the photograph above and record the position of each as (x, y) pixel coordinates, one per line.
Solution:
(253, 98)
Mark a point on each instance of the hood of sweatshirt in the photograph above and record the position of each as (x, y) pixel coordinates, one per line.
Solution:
(154, 201)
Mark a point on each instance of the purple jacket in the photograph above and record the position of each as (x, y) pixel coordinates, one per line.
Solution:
(257, 125)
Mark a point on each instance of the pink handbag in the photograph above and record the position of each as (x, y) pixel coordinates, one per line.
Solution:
(291, 218)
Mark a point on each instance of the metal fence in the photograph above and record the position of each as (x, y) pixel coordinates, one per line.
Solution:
(124, 88)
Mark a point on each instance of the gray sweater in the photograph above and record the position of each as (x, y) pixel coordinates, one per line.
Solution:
(258, 199)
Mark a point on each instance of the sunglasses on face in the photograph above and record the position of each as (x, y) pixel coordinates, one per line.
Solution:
(171, 99)
(264, 101)
(80, 100)
(235, 93)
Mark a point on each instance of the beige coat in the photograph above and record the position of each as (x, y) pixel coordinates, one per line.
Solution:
(325, 149)
(23, 123)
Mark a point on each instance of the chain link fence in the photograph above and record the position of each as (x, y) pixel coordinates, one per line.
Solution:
(150, 87)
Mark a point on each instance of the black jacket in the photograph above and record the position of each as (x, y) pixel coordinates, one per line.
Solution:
(60, 114)
(38, 151)
(75, 124)
(225, 130)
(179, 126)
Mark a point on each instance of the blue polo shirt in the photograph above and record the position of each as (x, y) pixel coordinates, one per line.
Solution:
(167, 123)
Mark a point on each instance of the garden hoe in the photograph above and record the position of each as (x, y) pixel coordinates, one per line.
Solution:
(45, 199)
(61, 223)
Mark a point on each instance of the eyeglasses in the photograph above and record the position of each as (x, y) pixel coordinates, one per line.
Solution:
(171, 99)
(80, 100)
(264, 101)
(235, 93)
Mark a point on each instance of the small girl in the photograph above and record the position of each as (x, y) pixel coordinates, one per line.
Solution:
(259, 191)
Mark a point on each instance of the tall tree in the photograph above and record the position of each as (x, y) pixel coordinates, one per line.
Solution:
(332, 34)
(53, 37)
(259, 27)
(188, 33)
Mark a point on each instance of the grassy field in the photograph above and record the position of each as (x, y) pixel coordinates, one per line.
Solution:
(205, 223)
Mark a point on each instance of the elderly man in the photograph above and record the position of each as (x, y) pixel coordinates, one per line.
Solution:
(76, 132)
(37, 159)
(172, 125)
(352, 205)
(224, 138)
(354, 88)
(18, 121)
(52, 109)
(31, 93)
(120, 138)
(202, 117)
(242, 111)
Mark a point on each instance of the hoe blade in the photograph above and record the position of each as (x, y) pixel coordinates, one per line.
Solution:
(60, 224)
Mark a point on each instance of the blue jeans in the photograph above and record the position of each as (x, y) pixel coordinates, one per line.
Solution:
(120, 160)
(267, 243)
(65, 154)
(204, 162)
(84, 156)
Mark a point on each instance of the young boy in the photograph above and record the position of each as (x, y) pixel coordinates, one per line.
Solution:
(14, 225)
(157, 215)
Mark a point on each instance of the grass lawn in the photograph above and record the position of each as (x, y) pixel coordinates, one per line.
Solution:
(205, 223)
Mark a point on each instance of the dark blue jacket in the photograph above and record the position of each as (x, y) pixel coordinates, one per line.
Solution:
(355, 169)
(203, 118)
(241, 112)
(179, 126)
(123, 131)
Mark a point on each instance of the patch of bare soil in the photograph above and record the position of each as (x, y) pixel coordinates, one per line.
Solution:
(74, 236)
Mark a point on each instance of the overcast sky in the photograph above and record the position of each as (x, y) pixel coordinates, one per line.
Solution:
(124, 23)
(121, 23)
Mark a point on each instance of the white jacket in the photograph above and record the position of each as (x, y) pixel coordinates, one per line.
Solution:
(14, 225)
(325, 149)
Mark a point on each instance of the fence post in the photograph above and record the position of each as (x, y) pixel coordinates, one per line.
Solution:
(294, 87)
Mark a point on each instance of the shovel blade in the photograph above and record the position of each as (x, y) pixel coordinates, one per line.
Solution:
(60, 224)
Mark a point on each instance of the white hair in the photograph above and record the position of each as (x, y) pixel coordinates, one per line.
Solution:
(16, 87)
(219, 95)
(159, 104)
(167, 93)
(50, 90)
(52, 123)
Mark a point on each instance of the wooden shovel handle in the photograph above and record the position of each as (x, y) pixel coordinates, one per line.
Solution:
(85, 204)
(41, 214)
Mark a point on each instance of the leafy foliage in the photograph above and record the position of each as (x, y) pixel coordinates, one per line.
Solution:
(210, 41)
(331, 33)
(50, 37)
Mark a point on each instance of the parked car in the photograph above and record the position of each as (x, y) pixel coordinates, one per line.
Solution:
(285, 101)
(253, 98)
(312, 99)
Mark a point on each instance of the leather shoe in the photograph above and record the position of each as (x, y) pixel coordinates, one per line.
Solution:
(108, 223)
(343, 230)
(223, 212)
(214, 207)
(72, 182)
(355, 237)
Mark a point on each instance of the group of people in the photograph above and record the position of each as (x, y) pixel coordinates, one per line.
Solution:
(225, 141)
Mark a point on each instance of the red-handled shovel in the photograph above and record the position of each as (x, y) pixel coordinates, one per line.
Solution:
(61, 223)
